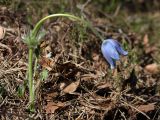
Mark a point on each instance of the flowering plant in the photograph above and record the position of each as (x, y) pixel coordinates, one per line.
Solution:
(33, 40)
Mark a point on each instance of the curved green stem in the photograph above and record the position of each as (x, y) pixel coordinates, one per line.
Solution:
(38, 25)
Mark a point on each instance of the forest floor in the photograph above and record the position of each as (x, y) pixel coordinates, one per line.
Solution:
(73, 80)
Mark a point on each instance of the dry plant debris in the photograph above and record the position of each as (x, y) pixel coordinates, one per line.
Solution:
(79, 85)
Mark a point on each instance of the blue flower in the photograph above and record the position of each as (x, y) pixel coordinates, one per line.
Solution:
(111, 49)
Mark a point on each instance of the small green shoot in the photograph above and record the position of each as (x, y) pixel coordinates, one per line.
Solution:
(44, 75)
(21, 90)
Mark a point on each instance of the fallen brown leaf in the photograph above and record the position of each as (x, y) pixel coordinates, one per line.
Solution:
(2, 32)
(152, 68)
(51, 106)
(46, 63)
(146, 108)
(71, 87)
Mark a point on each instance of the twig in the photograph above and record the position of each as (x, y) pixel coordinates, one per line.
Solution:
(122, 114)
(117, 10)
(156, 113)
(135, 109)
(136, 97)
(84, 5)
(5, 46)
(3, 101)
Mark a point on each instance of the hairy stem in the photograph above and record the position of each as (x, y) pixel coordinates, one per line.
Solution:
(30, 78)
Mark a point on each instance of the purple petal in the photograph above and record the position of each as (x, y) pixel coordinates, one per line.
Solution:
(118, 46)
(121, 51)
(109, 60)
(110, 50)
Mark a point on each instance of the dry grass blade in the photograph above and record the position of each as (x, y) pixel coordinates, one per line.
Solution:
(11, 70)
(127, 104)
(6, 47)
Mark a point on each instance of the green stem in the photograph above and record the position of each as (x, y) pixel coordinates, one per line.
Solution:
(94, 30)
(30, 76)
(35, 67)
(38, 25)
